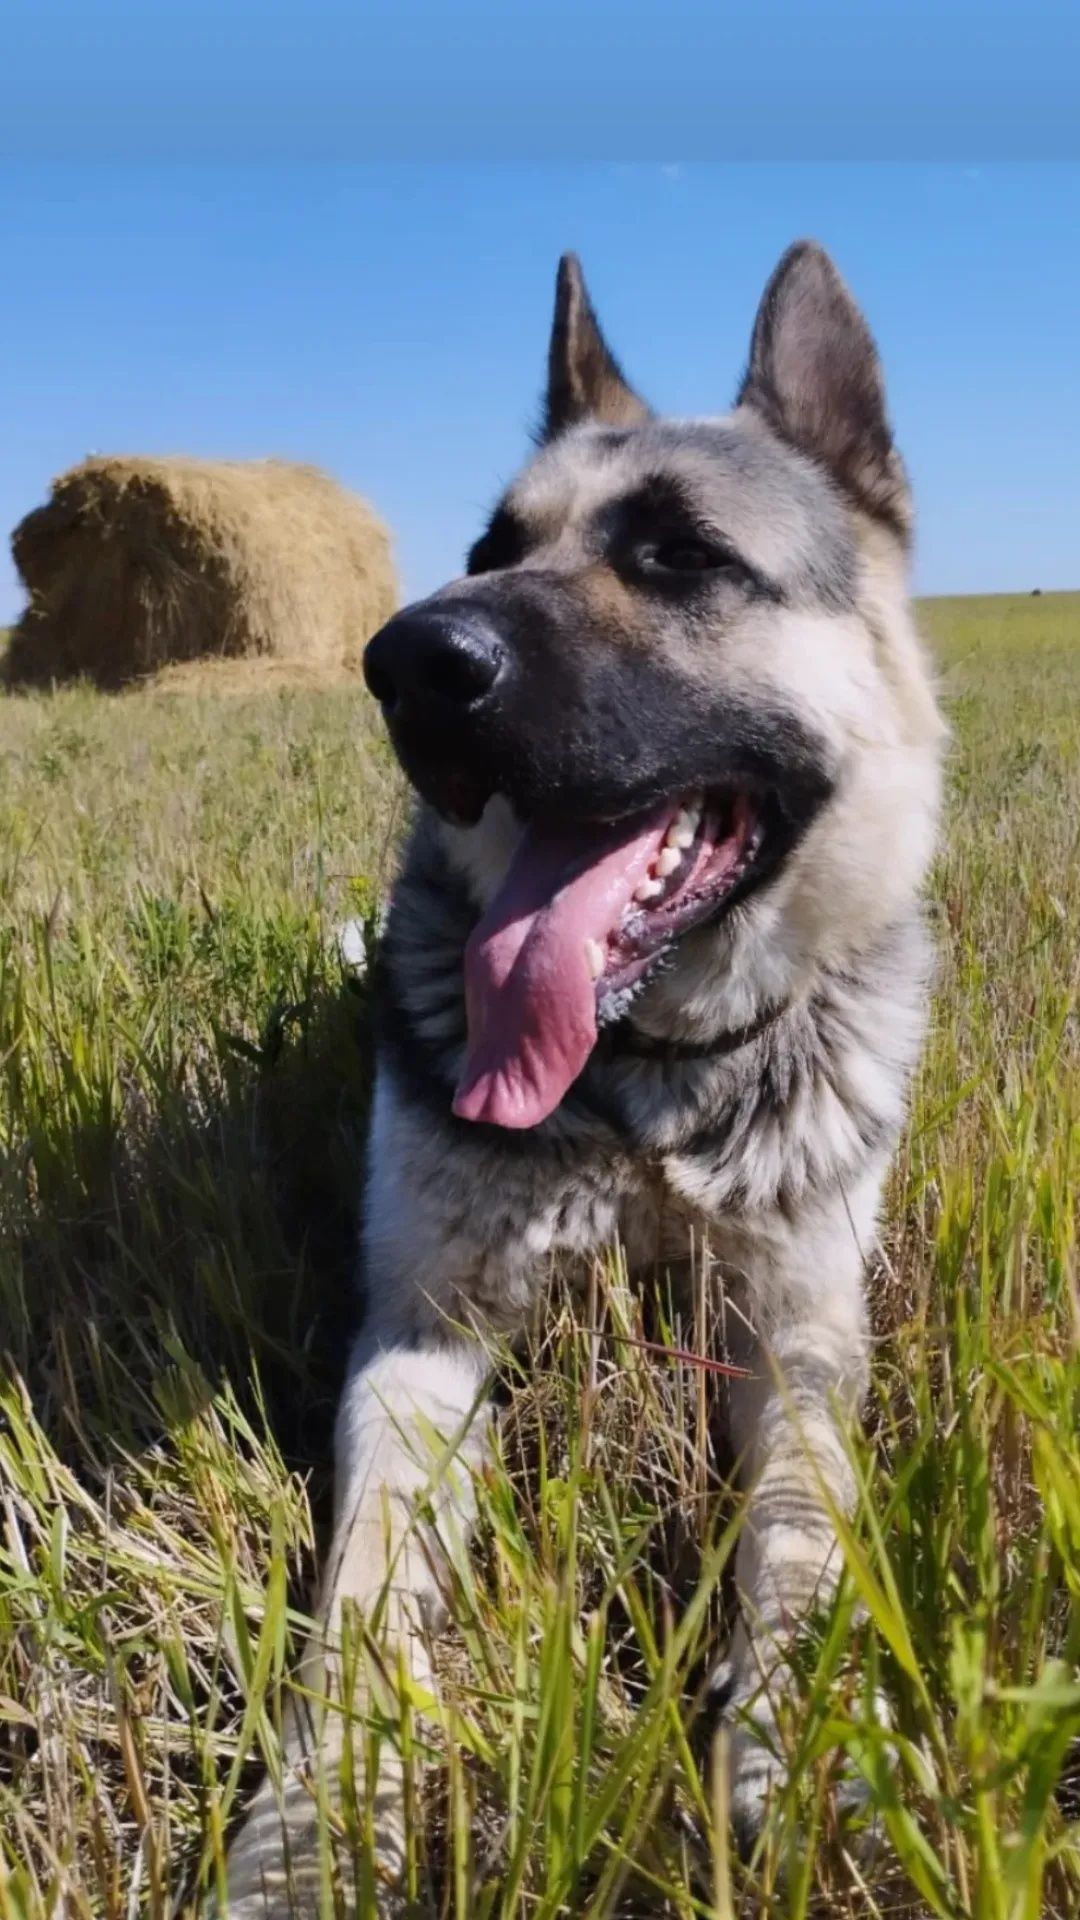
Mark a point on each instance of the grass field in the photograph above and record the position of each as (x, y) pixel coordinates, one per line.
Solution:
(183, 1076)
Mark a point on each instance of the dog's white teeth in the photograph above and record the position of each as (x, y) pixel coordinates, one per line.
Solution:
(666, 862)
(594, 958)
(648, 890)
(683, 830)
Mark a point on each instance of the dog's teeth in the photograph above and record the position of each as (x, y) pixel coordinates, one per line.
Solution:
(648, 890)
(666, 862)
(594, 958)
(683, 830)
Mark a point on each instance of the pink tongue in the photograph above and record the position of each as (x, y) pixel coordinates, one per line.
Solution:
(530, 998)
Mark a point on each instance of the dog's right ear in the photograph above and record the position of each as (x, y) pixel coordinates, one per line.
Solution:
(585, 381)
(814, 375)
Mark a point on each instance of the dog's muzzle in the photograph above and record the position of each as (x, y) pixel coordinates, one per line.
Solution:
(440, 673)
(433, 665)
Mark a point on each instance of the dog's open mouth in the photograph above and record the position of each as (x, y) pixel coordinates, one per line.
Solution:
(584, 914)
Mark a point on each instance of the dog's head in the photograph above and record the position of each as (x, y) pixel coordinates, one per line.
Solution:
(674, 711)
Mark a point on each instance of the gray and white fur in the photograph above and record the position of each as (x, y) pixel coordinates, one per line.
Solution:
(750, 1094)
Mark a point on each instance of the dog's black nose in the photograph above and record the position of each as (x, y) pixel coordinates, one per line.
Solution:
(433, 658)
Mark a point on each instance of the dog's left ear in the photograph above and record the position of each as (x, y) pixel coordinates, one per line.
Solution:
(815, 377)
(585, 381)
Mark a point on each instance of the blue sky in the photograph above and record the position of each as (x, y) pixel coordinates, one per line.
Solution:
(422, 80)
(390, 322)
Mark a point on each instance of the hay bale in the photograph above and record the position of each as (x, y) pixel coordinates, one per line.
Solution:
(134, 565)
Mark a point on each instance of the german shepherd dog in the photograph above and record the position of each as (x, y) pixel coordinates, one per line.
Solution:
(656, 933)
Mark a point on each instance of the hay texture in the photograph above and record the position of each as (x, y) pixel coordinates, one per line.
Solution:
(137, 565)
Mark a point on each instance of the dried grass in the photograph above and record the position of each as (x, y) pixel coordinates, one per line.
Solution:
(136, 565)
(184, 1073)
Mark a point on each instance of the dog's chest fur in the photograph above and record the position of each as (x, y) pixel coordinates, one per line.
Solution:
(658, 1146)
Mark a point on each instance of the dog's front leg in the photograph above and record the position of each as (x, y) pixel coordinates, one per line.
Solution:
(447, 1253)
(409, 1432)
(803, 1342)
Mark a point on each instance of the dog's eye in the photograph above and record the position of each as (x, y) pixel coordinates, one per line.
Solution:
(684, 553)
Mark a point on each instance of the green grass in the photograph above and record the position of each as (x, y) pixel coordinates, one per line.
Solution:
(183, 1077)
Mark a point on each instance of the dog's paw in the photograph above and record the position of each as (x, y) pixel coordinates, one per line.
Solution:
(757, 1770)
(751, 1709)
(279, 1864)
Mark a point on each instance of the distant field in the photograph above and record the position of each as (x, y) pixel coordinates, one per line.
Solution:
(183, 1078)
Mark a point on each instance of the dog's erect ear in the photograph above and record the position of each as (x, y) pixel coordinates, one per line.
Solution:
(814, 375)
(585, 381)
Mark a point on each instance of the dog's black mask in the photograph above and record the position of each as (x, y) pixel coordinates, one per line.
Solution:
(506, 689)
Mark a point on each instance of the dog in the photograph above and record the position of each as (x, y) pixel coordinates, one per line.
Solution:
(657, 931)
